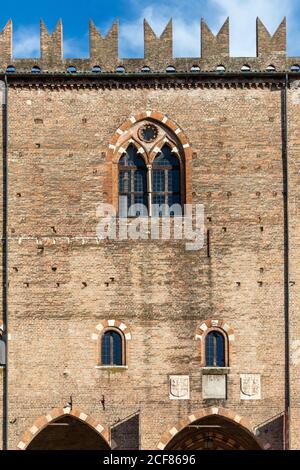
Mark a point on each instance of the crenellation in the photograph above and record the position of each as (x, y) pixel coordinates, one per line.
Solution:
(6, 44)
(214, 46)
(158, 52)
(104, 51)
(51, 45)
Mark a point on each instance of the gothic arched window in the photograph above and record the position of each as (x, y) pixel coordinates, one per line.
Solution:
(112, 349)
(166, 181)
(215, 349)
(132, 183)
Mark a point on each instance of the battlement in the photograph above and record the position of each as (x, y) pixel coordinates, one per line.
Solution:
(158, 52)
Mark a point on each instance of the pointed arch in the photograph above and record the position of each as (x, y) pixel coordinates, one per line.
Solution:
(228, 415)
(43, 421)
(114, 151)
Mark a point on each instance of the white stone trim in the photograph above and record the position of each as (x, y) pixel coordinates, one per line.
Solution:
(83, 416)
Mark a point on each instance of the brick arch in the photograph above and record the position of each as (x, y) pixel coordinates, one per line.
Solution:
(111, 182)
(244, 423)
(43, 421)
(120, 325)
(211, 324)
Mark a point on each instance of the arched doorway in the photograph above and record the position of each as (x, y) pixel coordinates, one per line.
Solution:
(210, 429)
(68, 433)
(65, 429)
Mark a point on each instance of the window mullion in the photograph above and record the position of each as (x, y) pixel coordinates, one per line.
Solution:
(149, 189)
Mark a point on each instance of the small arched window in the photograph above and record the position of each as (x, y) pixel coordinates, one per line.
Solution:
(133, 195)
(221, 68)
(120, 69)
(166, 183)
(170, 69)
(112, 349)
(96, 69)
(10, 69)
(215, 349)
(195, 68)
(295, 68)
(271, 68)
(246, 68)
(35, 69)
(146, 69)
(71, 69)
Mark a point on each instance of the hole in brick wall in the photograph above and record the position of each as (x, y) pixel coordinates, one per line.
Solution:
(271, 119)
(53, 229)
(96, 69)
(112, 279)
(261, 229)
(38, 121)
(35, 69)
(209, 195)
(18, 194)
(40, 249)
(84, 120)
(10, 69)
(120, 69)
(54, 269)
(95, 172)
(57, 284)
(38, 146)
(26, 284)
(295, 68)
(84, 284)
(274, 193)
(12, 230)
(224, 229)
(15, 269)
(107, 284)
(72, 69)
(229, 194)
(258, 194)
(261, 270)
(146, 69)
(260, 283)
(209, 219)
(238, 284)
(170, 69)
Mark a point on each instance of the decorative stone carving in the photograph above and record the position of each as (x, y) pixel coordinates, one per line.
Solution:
(179, 387)
(250, 387)
(214, 386)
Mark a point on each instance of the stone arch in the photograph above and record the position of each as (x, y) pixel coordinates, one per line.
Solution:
(228, 415)
(43, 421)
(113, 152)
(122, 149)
(157, 149)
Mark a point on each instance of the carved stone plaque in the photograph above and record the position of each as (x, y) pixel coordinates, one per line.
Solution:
(250, 387)
(179, 387)
(214, 386)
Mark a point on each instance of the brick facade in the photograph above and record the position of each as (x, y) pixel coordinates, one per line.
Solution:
(66, 286)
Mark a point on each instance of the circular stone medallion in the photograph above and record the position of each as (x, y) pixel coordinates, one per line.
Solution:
(148, 132)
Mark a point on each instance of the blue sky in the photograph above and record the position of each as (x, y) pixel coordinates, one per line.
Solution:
(186, 15)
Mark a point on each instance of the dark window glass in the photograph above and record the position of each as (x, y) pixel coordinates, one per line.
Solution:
(166, 180)
(215, 350)
(111, 349)
(133, 182)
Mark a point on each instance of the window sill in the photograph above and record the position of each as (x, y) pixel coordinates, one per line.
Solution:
(215, 370)
(112, 368)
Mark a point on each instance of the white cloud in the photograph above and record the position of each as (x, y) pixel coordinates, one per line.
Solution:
(243, 15)
(26, 42)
